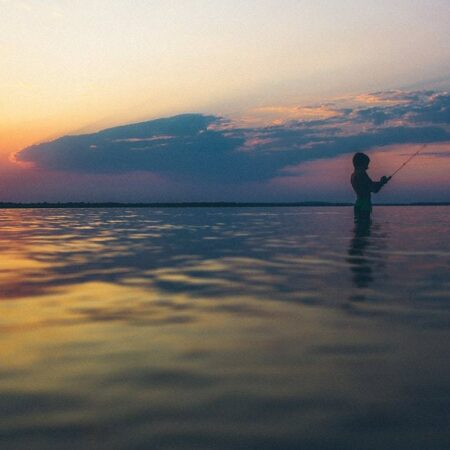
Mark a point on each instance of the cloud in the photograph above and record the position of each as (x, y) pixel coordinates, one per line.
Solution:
(210, 148)
(437, 110)
(177, 145)
(438, 154)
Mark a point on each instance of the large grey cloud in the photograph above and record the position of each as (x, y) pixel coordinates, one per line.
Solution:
(195, 145)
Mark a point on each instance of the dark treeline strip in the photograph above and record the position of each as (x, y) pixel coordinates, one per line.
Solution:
(167, 205)
(6, 205)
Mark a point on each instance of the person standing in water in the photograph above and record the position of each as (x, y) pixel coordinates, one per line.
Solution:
(363, 187)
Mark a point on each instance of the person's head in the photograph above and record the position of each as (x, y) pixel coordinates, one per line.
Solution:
(361, 161)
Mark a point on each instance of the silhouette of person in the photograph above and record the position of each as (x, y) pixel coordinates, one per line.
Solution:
(363, 187)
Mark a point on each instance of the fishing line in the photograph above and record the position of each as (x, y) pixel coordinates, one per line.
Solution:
(408, 160)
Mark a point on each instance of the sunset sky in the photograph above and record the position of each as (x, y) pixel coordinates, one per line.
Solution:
(207, 100)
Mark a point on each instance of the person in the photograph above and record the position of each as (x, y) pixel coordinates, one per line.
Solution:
(363, 187)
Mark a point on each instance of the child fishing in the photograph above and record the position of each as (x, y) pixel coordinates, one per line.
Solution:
(363, 187)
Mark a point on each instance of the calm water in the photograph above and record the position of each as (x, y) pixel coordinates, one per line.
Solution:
(276, 328)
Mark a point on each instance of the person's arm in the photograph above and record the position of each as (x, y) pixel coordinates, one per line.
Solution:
(377, 185)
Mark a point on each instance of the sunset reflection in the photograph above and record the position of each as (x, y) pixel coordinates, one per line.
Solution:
(210, 317)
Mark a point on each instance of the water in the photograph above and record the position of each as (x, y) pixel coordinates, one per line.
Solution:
(258, 328)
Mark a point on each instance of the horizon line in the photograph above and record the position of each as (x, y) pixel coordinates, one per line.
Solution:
(200, 204)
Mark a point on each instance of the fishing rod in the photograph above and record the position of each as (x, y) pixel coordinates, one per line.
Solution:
(408, 160)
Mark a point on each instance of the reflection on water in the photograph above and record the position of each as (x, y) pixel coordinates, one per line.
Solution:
(224, 328)
(367, 254)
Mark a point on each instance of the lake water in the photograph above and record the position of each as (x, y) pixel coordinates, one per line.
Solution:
(233, 328)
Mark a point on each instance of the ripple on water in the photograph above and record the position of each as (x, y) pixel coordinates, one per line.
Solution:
(210, 328)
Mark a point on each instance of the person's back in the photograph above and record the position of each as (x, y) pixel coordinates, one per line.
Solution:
(363, 187)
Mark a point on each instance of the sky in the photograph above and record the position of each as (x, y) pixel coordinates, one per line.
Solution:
(205, 100)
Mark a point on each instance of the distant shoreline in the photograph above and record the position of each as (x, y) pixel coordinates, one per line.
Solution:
(11, 205)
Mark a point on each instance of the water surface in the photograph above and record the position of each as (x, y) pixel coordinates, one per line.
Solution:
(232, 328)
